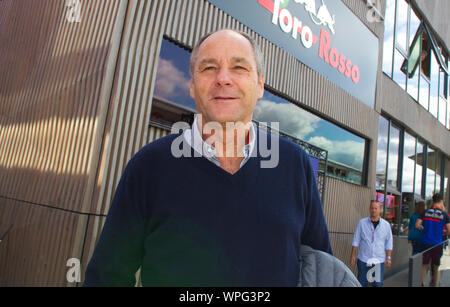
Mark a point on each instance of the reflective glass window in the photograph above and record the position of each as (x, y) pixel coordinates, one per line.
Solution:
(419, 169)
(445, 179)
(399, 75)
(394, 146)
(434, 86)
(345, 150)
(430, 173)
(383, 128)
(439, 173)
(402, 24)
(388, 47)
(409, 161)
(424, 92)
(407, 203)
(442, 110)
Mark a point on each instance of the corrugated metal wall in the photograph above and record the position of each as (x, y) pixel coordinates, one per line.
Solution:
(71, 119)
(53, 90)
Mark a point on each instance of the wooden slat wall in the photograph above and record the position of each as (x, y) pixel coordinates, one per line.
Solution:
(53, 92)
(185, 21)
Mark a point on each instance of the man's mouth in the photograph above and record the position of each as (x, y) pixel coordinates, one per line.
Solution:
(224, 98)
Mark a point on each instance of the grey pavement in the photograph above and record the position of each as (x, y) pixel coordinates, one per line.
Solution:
(401, 278)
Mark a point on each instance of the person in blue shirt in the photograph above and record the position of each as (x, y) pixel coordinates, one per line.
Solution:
(415, 234)
(431, 222)
(373, 236)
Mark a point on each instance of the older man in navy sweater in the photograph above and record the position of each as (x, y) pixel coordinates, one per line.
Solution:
(217, 216)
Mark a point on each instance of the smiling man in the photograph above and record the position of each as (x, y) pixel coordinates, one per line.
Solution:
(216, 218)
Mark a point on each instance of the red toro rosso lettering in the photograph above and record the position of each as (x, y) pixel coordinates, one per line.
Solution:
(335, 59)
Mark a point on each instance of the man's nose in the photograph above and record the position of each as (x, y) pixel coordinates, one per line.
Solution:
(223, 77)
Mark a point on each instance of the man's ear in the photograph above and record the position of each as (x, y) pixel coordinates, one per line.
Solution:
(261, 87)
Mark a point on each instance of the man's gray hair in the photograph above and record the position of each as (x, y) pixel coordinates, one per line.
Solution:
(259, 57)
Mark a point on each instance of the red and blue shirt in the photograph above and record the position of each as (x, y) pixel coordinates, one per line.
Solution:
(433, 222)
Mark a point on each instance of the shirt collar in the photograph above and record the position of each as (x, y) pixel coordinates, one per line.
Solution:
(196, 141)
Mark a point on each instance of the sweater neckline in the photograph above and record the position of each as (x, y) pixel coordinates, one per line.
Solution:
(211, 167)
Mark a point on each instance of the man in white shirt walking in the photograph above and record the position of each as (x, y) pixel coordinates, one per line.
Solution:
(373, 236)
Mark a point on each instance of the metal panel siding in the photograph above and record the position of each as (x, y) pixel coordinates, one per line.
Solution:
(49, 104)
(36, 250)
(53, 90)
(69, 151)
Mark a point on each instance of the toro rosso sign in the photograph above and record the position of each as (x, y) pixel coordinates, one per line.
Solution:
(323, 34)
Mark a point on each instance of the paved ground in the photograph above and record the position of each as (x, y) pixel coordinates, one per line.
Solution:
(401, 279)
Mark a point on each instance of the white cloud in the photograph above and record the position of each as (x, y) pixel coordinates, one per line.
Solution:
(292, 119)
(350, 153)
(170, 81)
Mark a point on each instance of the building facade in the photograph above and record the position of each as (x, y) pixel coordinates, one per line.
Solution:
(85, 84)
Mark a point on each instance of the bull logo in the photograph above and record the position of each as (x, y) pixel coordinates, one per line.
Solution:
(322, 17)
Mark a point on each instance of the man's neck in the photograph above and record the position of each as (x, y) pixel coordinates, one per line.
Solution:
(375, 219)
(228, 140)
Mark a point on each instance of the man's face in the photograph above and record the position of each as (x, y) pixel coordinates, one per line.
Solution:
(225, 83)
(375, 210)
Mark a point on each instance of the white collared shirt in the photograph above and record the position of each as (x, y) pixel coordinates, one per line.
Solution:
(372, 243)
(194, 138)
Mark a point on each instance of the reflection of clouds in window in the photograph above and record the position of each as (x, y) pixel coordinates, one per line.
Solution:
(170, 81)
(349, 153)
(408, 163)
(388, 37)
(341, 145)
(293, 120)
(402, 23)
(390, 11)
(424, 93)
(430, 183)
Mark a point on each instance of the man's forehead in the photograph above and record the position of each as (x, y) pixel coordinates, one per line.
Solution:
(227, 39)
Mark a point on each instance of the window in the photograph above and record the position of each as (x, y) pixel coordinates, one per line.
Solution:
(415, 171)
(383, 138)
(171, 98)
(346, 151)
(409, 162)
(402, 24)
(394, 146)
(419, 169)
(412, 58)
(445, 183)
(399, 76)
(434, 86)
(430, 173)
(388, 37)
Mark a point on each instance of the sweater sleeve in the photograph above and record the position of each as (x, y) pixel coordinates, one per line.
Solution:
(119, 252)
(315, 231)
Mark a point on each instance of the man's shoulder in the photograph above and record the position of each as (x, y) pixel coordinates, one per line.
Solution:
(364, 219)
(385, 222)
(160, 148)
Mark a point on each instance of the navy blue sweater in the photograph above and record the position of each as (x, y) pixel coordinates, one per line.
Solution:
(187, 222)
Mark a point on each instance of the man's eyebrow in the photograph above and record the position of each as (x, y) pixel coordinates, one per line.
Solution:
(207, 61)
(240, 60)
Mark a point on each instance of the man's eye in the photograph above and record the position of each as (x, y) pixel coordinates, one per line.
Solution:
(240, 68)
(209, 68)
